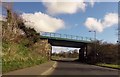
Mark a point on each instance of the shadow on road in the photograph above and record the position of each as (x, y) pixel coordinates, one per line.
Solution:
(67, 60)
(64, 60)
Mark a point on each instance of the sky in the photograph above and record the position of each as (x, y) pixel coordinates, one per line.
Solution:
(74, 18)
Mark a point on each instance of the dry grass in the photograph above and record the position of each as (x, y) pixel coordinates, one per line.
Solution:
(17, 56)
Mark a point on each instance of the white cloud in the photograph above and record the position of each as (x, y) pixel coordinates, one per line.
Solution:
(57, 7)
(94, 24)
(42, 22)
(109, 20)
(92, 2)
(58, 49)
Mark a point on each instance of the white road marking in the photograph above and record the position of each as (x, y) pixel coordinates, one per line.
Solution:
(50, 69)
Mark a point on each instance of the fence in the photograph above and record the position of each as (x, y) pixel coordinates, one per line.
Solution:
(65, 36)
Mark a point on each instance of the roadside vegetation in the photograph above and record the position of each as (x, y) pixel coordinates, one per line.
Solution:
(21, 46)
(116, 66)
(67, 54)
(107, 54)
(17, 56)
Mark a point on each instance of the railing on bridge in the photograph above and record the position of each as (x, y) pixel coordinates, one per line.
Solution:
(65, 36)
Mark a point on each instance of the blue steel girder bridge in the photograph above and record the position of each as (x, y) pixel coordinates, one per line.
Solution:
(64, 40)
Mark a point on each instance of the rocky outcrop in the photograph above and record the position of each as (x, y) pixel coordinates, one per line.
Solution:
(43, 48)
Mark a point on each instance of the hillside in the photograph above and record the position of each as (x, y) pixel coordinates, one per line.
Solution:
(21, 46)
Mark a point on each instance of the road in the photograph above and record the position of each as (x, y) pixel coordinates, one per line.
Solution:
(69, 67)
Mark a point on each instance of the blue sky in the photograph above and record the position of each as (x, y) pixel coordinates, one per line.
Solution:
(74, 22)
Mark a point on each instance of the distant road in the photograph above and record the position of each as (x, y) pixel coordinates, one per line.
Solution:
(67, 67)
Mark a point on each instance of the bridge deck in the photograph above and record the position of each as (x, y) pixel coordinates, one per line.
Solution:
(58, 36)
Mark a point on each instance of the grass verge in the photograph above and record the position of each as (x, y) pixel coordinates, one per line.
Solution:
(17, 56)
(115, 66)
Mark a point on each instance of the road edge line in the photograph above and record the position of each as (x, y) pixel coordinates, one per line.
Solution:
(49, 70)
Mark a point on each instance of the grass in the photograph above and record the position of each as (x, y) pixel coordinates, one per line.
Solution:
(116, 66)
(17, 56)
(55, 57)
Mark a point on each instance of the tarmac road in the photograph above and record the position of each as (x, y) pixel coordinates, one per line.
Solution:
(69, 67)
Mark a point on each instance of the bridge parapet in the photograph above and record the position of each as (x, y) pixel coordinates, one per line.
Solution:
(65, 36)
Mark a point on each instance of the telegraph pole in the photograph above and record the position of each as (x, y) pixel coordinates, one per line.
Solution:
(94, 45)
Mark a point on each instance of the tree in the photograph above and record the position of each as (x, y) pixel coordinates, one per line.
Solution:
(75, 53)
(105, 52)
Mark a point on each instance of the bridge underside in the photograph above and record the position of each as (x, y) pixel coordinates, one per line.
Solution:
(65, 43)
(69, 43)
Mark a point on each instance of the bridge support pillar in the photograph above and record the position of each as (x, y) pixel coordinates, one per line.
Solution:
(50, 53)
(83, 54)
